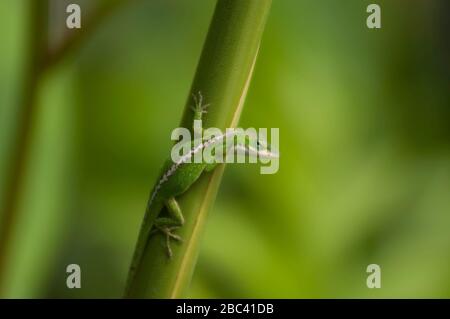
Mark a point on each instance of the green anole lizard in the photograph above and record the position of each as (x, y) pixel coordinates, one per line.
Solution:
(176, 178)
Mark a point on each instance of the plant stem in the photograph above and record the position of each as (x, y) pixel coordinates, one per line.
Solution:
(39, 60)
(37, 39)
(223, 76)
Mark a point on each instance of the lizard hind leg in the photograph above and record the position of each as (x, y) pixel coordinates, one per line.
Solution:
(168, 233)
(167, 225)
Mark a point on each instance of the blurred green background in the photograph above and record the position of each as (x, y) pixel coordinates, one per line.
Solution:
(364, 118)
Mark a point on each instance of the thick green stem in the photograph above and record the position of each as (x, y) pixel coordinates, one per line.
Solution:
(223, 76)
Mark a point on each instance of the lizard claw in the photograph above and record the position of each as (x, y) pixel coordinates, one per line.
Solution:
(168, 232)
(172, 235)
(199, 107)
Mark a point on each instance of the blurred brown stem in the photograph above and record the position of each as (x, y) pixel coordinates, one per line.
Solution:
(73, 40)
(37, 44)
(38, 61)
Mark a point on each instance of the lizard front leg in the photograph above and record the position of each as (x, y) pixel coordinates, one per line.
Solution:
(167, 225)
(199, 108)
